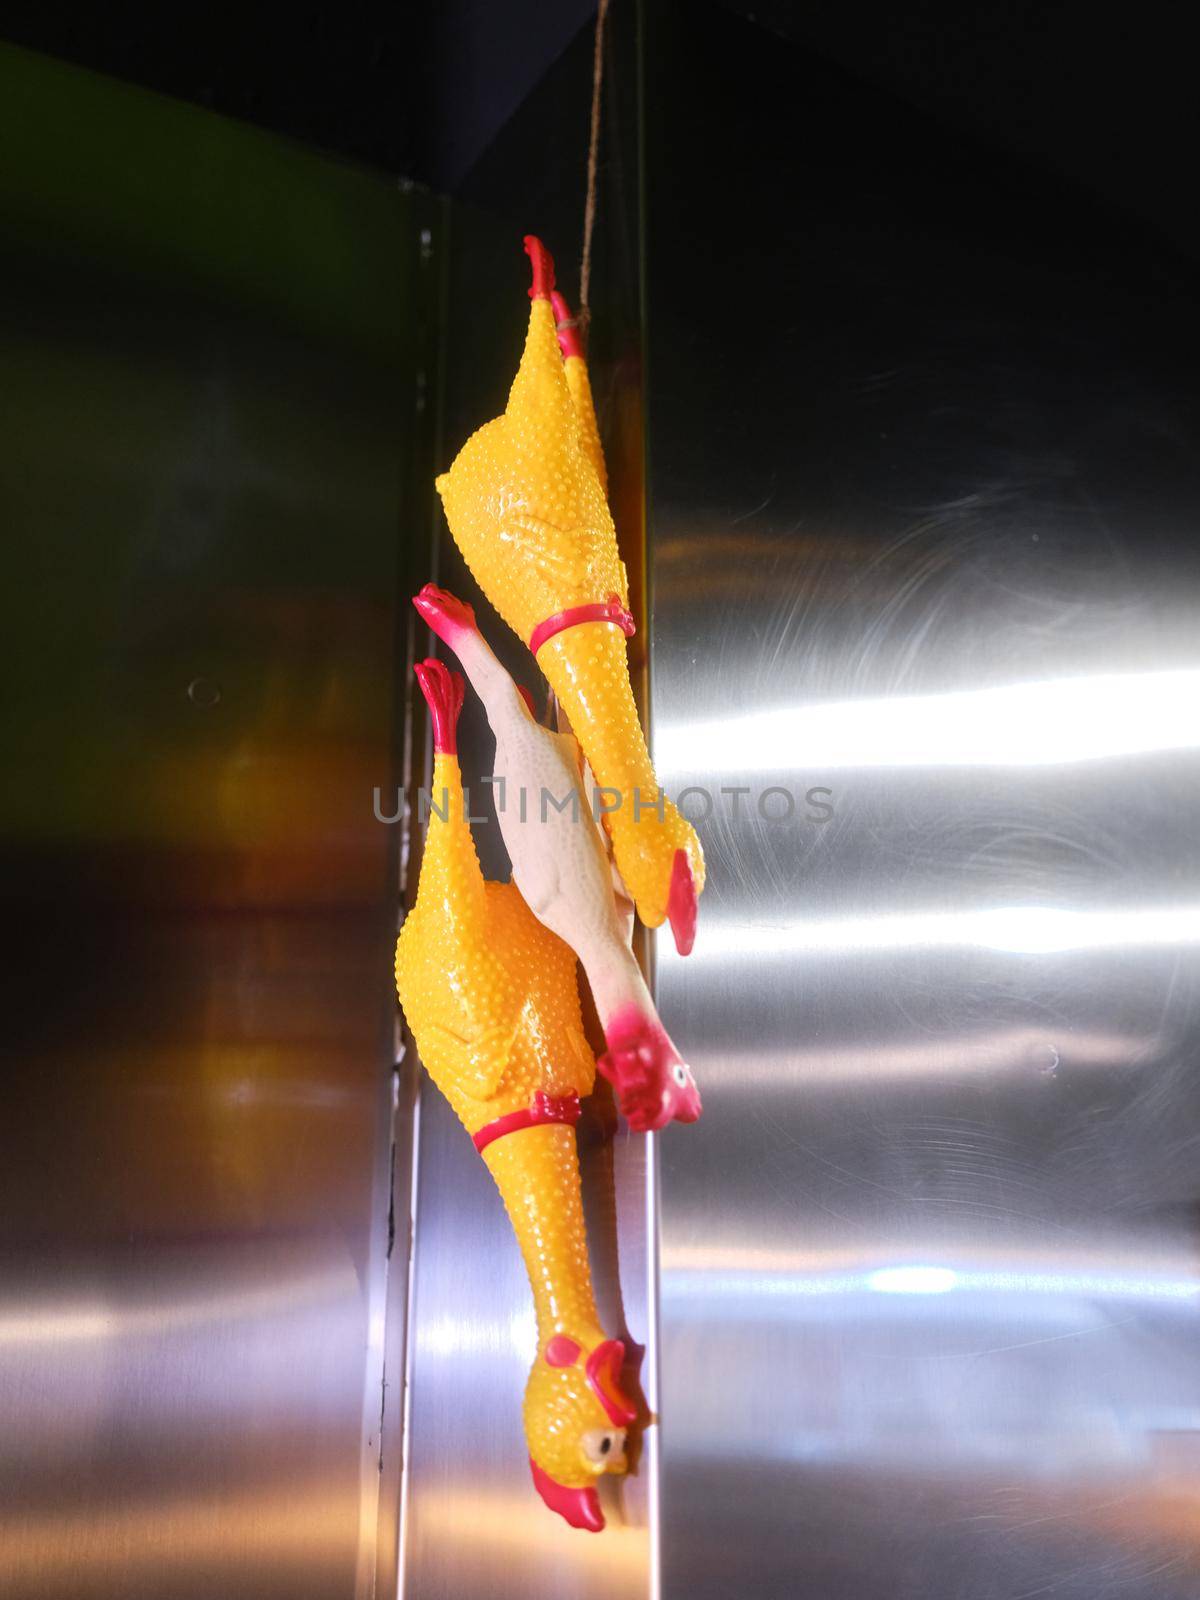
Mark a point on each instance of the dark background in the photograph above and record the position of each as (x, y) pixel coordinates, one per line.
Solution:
(1103, 97)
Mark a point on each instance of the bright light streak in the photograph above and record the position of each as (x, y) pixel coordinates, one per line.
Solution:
(776, 1069)
(1052, 723)
(81, 1325)
(734, 1288)
(912, 1280)
(456, 1337)
(1016, 930)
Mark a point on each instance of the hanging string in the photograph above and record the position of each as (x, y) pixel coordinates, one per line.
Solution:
(589, 210)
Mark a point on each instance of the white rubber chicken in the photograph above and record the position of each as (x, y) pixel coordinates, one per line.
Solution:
(561, 867)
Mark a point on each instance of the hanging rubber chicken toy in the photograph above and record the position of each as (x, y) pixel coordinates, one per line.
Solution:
(526, 504)
(562, 869)
(491, 998)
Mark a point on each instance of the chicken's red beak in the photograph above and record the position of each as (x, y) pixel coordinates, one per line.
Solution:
(682, 904)
(689, 1105)
(604, 1375)
(652, 1081)
(579, 1507)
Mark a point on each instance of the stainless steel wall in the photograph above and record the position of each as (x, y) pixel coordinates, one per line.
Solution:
(924, 471)
(924, 484)
(210, 346)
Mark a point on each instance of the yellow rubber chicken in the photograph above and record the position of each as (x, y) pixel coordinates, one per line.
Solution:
(492, 1001)
(580, 384)
(525, 500)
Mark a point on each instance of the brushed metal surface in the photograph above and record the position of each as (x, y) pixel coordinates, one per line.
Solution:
(209, 347)
(925, 480)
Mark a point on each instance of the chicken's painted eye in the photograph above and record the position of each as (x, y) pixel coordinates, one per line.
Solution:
(680, 1073)
(604, 1446)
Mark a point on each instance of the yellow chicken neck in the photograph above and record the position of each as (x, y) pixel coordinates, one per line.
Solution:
(586, 667)
(537, 1173)
(580, 386)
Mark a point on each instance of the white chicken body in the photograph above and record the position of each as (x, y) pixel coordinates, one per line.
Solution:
(561, 867)
(559, 861)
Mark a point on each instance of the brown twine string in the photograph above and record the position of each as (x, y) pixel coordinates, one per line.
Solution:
(589, 210)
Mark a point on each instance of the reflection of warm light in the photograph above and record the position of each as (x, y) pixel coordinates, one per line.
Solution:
(1019, 930)
(83, 1322)
(484, 1525)
(1022, 725)
(57, 1327)
(149, 1542)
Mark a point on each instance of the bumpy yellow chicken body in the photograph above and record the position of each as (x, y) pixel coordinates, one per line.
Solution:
(492, 1000)
(525, 501)
(579, 383)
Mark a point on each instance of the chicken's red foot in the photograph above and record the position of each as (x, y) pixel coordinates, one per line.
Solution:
(448, 616)
(682, 904)
(543, 268)
(638, 1086)
(443, 691)
(569, 340)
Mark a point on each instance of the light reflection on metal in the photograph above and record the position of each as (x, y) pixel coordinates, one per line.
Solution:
(1052, 723)
(745, 1288)
(210, 441)
(1027, 1051)
(454, 1338)
(930, 1320)
(130, 1543)
(1009, 930)
(914, 1280)
(71, 1324)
